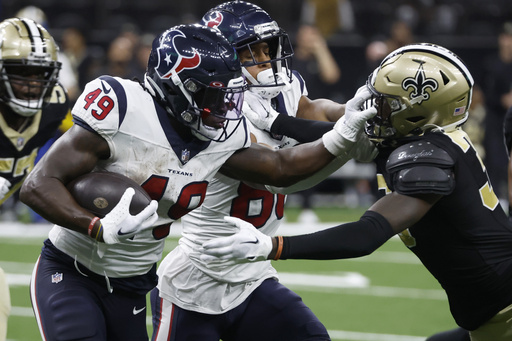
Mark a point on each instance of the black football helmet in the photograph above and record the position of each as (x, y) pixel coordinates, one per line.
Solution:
(194, 72)
(28, 65)
(416, 88)
(244, 24)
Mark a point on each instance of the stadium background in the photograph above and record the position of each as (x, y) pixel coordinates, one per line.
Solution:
(386, 296)
(470, 28)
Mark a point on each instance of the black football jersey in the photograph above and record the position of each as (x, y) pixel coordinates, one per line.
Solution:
(18, 151)
(465, 240)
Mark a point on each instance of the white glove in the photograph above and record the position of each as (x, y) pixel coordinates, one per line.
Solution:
(247, 245)
(345, 132)
(259, 111)
(120, 225)
(4, 187)
(363, 150)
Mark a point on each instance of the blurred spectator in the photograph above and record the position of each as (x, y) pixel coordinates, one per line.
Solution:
(400, 34)
(119, 57)
(84, 59)
(141, 56)
(330, 16)
(498, 96)
(316, 64)
(374, 53)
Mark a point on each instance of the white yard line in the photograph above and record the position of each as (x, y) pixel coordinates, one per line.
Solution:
(350, 283)
(335, 334)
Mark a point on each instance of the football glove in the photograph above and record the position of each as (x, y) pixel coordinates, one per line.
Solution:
(346, 131)
(4, 187)
(363, 150)
(259, 111)
(247, 245)
(119, 224)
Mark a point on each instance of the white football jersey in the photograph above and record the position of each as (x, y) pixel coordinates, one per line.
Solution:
(216, 288)
(146, 148)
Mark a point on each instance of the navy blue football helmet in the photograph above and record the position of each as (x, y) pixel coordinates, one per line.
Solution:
(245, 24)
(194, 72)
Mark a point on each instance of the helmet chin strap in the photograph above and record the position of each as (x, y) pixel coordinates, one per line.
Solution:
(268, 77)
(204, 132)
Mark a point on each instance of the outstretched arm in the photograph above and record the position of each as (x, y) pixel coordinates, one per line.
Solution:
(287, 166)
(349, 240)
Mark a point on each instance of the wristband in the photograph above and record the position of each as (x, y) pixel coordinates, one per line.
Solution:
(95, 231)
(336, 144)
(91, 225)
(279, 247)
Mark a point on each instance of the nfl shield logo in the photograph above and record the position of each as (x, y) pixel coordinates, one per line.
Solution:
(56, 277)
(185, 155)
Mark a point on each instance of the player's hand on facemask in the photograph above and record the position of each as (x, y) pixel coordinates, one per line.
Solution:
(259, 111)
(4, 187)
(119, 224)
(363, 150)
(247, 245)
(342, 138)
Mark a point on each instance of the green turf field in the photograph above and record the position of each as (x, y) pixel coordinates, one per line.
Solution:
(387, 296)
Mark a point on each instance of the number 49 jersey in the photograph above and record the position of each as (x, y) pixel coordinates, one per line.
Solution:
(145, 147)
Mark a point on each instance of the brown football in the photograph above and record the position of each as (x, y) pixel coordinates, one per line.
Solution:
(99, 192)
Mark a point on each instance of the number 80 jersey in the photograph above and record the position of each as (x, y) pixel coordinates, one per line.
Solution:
(144, 145)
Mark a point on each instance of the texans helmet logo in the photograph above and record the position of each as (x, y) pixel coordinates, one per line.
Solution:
(215, 20)
(166, 56)
(420, 83)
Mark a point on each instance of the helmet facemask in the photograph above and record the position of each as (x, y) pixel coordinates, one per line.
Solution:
(269, 83)
(222, 104)
(380, 127)
(25, 87)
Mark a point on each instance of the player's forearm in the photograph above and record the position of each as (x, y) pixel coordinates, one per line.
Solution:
(344, 241)
(300, 162)
(51, 200)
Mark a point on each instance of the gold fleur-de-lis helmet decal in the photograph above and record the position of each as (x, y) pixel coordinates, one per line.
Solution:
(417, 88)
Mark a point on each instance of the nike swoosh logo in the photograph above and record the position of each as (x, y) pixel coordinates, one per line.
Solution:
(252, 241)
(137, 311)
(105, 90)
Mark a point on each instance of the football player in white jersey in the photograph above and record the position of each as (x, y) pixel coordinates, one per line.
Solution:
(171, 134)
(32, 107)
(201, 301)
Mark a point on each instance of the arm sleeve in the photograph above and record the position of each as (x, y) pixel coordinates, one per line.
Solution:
(300, 129)
(349, 240)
